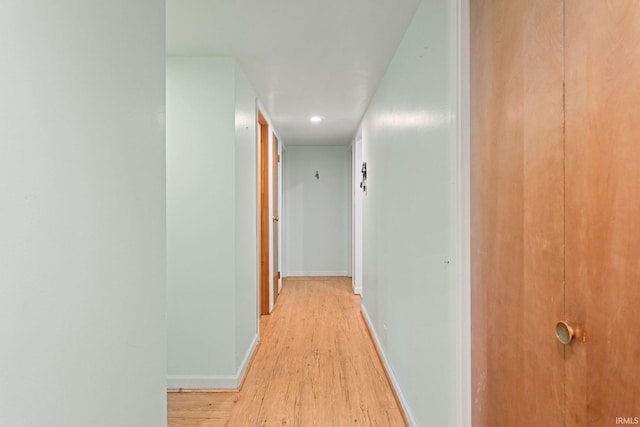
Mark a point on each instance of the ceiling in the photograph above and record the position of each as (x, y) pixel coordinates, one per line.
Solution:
(303, 57)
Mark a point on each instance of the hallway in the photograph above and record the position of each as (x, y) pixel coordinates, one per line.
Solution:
(316, 366)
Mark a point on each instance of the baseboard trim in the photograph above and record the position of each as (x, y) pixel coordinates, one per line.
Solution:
(357, 291)
(202, 382)
(395, 386)
(200, 390)
(247, 361)
(317, 273)
(214, 383)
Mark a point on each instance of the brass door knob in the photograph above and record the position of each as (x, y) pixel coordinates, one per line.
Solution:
(564, 332)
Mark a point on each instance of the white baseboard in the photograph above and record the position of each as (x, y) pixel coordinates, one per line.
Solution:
(317, 273)
(356, 285)
(356, 289)
(217, 382)
(195, 382)
(387, 367)
(242, 370)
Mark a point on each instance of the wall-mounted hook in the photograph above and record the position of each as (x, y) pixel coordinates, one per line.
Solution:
(317, 175)
(363, 183)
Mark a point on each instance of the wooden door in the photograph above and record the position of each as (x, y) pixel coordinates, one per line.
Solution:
(276, 220)
(263, 138)
(517, 207)
(555, 211)
(602, 158)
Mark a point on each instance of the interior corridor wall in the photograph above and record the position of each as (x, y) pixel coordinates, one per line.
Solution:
(316, 210)
(357, 195)
(246, 225)
(211, 222)
(410, 215)
(82, 215)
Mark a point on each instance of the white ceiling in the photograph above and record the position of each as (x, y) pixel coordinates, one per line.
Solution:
(304, 57)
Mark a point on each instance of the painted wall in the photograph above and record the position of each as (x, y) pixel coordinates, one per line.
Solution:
(246, 220)
(411, 218)
(82, 216)
(200, 217)
(211, 222)
(357, 199)
(316, 210)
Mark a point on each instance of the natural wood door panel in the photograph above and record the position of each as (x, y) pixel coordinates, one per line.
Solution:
(496, 189)
(543, 198)
(517, 212)
(603, 209)
(570, 214)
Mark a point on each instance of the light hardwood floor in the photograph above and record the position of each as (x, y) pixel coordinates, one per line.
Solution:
(316, 366)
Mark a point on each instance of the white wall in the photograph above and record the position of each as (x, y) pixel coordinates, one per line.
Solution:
(200, 217)
(211, 222)
(82, 215)
(411, 218)
(317, 236)
(357, 198)
(246, 225)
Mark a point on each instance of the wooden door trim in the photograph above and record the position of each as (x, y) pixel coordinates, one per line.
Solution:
(263, 211)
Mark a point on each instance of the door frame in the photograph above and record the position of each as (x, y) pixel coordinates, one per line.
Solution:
(463, 297)
(264, 251)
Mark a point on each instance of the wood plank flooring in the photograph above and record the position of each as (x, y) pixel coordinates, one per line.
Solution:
(316, 366)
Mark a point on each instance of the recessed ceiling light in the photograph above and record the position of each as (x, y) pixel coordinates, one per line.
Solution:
(316, 119)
